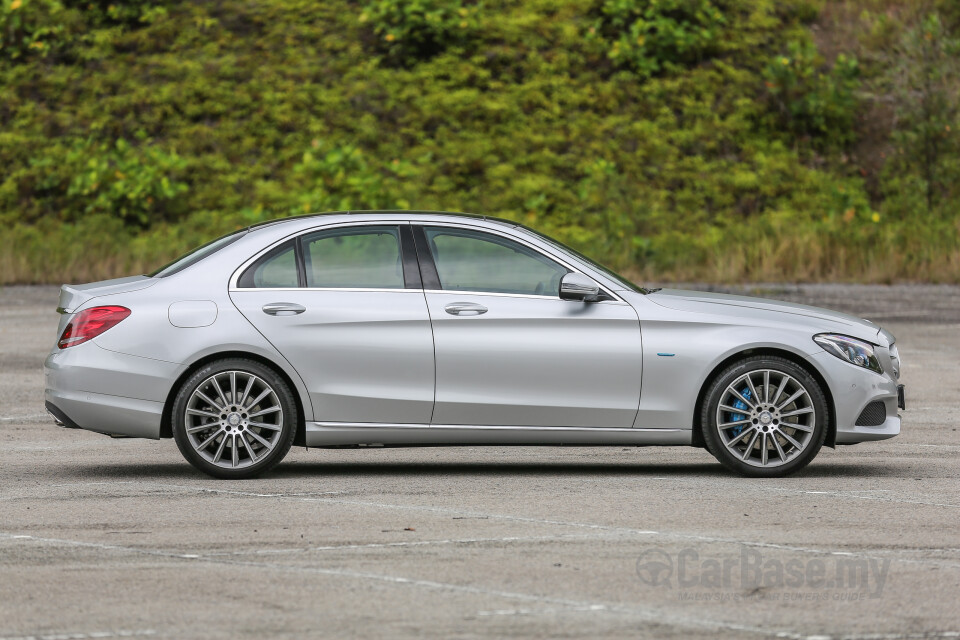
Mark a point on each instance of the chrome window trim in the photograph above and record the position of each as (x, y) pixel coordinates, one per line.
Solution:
(347, 289)
(454, 292)
(232, 285)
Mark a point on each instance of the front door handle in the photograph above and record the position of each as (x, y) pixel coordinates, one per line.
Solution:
(283, 309)
(465, 309)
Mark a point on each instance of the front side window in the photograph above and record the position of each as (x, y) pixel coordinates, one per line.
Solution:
(469, 260)
(625, 283)
(354, 258)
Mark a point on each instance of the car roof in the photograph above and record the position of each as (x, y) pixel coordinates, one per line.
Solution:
(375, 212)
(275, 231)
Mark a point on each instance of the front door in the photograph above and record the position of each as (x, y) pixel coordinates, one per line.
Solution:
(509, 351)
(351, 319)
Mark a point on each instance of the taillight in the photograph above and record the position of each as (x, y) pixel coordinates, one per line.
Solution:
(90, 323)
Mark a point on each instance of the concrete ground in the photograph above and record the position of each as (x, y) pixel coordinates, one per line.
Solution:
(108, 538)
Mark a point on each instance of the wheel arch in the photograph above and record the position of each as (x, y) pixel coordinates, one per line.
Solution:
(798, 360)
(166, 420)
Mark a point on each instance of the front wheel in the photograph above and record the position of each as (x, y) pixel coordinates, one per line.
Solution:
(234, 418)
(764, 417)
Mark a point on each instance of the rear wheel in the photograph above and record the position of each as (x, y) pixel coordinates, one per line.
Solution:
(764, 417)
(234, 418)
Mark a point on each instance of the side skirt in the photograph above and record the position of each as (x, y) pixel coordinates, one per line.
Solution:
(341, 434)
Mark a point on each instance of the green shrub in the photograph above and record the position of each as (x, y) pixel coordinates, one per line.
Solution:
(654, 36)
(407, 30)
(137, 184)
(54, 28)
(675, 161)
(923, 79)
(341, 178)
(804, 11)
(125, 12)
(812, 100)
(32, 28)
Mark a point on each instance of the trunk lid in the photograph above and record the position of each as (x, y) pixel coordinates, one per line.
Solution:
(73, 296)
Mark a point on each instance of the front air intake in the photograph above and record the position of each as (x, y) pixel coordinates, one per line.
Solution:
(873, 415)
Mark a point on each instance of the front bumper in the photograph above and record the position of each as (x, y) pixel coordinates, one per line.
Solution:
(853, 389)
(92, 388)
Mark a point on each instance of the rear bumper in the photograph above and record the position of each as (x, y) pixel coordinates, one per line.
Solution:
(62, 419)
(110, 415)
(107, 392)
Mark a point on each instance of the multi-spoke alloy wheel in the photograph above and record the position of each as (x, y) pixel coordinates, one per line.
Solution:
(234, 418)
(764, 416)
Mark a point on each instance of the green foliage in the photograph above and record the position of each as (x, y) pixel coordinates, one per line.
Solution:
(804, 11)
(149, 128)
(58, 28)
(31, 27)
(924, 80)
(137, 184)
(418, 29)
(653, 36)
(811, 100)
(341, 178)
(125, 12)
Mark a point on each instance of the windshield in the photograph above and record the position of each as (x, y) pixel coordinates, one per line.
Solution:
(196, 255)
(616, 277)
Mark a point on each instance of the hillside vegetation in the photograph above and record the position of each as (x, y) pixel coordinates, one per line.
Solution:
(672, 139)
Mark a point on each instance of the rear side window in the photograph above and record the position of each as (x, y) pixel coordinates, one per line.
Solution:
(276, 270)
(354, 258)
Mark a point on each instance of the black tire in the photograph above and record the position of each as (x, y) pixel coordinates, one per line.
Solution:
(714, 441)
(256, 458)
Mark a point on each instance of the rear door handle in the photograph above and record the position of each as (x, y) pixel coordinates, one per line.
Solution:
(283, 309)
(465, 309)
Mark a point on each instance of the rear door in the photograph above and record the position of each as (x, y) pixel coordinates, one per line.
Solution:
(509, 351)
(348, 312)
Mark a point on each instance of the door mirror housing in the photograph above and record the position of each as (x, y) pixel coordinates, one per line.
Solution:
(576, 286)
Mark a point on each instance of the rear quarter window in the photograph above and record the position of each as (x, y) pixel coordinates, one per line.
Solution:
(276, 270)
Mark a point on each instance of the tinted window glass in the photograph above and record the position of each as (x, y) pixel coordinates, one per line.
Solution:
(476, 261)
(196, 255)
(613, 275)
(354, 258)
(276, 270)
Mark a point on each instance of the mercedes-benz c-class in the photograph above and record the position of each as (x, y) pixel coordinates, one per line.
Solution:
(417, 328)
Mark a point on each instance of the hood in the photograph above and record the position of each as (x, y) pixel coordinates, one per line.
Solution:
(764, 310)
(73, 296)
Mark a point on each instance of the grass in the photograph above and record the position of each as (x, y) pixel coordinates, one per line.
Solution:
(927, 253)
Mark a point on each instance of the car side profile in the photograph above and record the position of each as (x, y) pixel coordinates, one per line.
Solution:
(401, 328)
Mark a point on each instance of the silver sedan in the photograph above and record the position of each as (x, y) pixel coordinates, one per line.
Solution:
(414, 328)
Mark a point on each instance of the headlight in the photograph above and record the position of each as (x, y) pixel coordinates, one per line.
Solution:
(854, 351)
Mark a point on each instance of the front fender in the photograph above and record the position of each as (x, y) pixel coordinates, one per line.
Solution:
(681, 357)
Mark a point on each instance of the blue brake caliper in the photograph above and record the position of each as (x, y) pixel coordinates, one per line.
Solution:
(736, 417)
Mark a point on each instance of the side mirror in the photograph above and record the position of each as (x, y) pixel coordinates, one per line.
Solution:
(576, 286)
